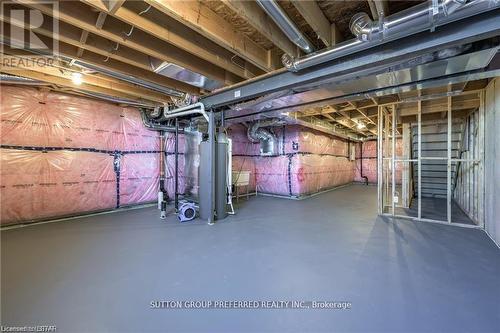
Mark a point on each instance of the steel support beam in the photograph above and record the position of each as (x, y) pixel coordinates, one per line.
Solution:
(370, 61)
(211, 140)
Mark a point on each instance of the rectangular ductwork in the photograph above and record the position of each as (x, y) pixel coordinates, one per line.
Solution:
(318, 95)
(179, 73)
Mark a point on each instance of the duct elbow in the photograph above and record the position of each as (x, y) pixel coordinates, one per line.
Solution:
(450, 6)
(362, 26)
(258, 134)
(289, 62)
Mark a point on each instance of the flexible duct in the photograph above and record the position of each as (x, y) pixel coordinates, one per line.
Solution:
(256, 133)
(405, 23)
(285, 24)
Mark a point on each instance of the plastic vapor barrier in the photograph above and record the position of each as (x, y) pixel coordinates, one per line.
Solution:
(188, 164)
(369, 162)
(306, 161)
(38, 185)
(64, 155)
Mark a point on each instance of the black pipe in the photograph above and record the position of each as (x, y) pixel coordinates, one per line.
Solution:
(163, 204)
(176, 165)
(361, 166)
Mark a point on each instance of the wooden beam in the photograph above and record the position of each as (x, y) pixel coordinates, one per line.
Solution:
(68, 83)
(435, 116)
(206, 22)
(182, 38)
(114, 5)
(348, 122)
(378, 8)
(95, 80)
(365, 116)
(100, 53)
(439, 106)
(83, 40)
(79, 15)
(314, 16)
(100, 20)
(260, 21)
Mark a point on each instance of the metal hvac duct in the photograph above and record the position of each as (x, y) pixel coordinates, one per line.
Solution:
(13, 79)
(285, 24)
(405, 23)
(257, 133)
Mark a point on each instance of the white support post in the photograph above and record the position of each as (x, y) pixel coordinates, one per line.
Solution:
(419, 158)
(448, 163)
(481, 160)
(393, 157)
(405, 190)
(379, 161)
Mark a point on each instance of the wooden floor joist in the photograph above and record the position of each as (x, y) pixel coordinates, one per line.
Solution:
(96, 80)
(257, 18)
(100, 53)
(180, 37)
(68, 83)
(80, 15)
(203, 20)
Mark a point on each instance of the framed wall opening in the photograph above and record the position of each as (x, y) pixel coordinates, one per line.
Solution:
(430, 160)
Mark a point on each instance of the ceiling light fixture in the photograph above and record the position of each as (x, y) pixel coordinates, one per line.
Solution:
(77, 78)
(361, 125)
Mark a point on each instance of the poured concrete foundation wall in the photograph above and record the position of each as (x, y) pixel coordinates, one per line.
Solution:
(492, 160)
(65, 155)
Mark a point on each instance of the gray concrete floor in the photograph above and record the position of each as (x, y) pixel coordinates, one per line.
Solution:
(435, 209)
(99, 274)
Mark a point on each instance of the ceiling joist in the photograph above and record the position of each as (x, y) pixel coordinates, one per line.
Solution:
(99, 52)
(257, 18)
(206, 22)
(68, 83)
(82, 17)
(181, 37)
(314, 16)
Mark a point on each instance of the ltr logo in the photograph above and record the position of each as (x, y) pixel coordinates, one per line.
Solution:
(30, 26)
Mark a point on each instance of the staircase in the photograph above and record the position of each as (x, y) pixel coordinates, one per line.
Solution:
(434, 144)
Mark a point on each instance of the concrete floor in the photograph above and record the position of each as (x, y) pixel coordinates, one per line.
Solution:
(99, 274)
(435, 209)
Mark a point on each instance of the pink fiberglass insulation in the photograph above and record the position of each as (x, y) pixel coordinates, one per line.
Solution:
(271, 175)
(306, 162)
(306, 140)
(308, 174)
(170, 142)
(370, 161)
(315, 173)
(241, 144)
(189, 160)
(40, 183)
(32, 117)
(139, 178)
(170, 175)
(37, 185)
(295, 139)
(245, 163)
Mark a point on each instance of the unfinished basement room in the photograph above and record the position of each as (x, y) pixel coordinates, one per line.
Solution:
(250, 166)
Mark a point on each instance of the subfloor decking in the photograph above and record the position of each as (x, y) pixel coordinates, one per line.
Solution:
(99, 274)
